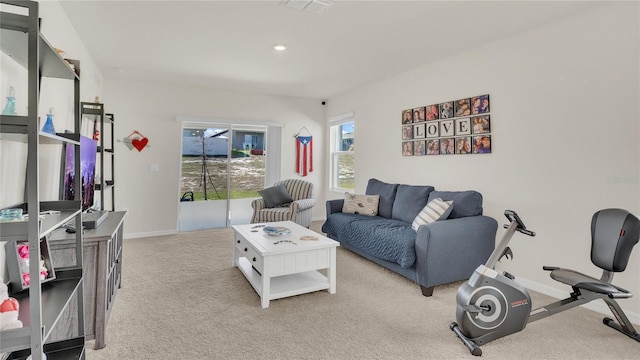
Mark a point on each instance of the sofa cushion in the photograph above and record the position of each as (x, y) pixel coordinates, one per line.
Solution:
(410, 199)
(465, 203)
(360, 204)
(388, 239)
(275, 196)
(387, 194)
(435, 210)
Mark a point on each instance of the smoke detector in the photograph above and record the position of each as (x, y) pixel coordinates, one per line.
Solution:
(310, 6)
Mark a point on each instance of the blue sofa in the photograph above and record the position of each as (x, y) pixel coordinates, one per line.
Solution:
(438, 253)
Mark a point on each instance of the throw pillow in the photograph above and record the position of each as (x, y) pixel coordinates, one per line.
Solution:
(275, 196)
(435, 210)
(360, 204)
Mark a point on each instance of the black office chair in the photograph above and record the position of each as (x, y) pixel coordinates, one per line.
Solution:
(614, 233)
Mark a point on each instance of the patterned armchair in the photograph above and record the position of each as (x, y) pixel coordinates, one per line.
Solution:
(298, 211)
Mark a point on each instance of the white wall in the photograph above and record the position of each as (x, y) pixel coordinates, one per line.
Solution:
(151, 198)
(565, 126)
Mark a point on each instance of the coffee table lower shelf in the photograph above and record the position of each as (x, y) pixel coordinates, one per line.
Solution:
(284, 285)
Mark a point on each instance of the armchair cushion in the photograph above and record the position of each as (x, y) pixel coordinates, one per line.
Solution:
(304, 204)
(289, 199)
(297, 189)
(275, 196)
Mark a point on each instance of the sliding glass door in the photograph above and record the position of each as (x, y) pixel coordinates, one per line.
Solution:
(222, 169)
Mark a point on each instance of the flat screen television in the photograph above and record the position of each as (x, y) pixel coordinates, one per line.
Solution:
(88, 152)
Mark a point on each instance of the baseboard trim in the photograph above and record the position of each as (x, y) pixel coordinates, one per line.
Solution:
(149, 234)
(597, 306)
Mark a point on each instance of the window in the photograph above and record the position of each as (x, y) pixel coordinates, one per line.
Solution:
(223, 161)
(342, 154)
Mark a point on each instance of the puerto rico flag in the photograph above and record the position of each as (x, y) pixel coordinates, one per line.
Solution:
(304, 155)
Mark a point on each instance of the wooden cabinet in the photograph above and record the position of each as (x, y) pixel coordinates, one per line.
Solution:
(102, 253)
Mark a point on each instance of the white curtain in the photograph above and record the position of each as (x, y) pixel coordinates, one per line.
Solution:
(274, 152)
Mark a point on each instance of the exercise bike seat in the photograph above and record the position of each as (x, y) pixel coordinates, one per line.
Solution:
(582, 281)
(614, 233)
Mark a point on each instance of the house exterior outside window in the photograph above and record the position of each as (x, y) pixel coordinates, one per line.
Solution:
(342, 155)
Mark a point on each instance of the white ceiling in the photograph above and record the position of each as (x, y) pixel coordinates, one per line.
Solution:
(228, 44)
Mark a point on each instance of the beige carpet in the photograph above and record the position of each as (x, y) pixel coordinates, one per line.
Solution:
(182, 299)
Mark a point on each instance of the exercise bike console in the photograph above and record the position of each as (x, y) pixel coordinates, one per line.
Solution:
(514, 218)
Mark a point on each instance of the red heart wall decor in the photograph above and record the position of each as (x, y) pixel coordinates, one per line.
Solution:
(139, 144)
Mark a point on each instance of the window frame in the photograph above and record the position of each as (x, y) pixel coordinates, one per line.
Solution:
(335, 124)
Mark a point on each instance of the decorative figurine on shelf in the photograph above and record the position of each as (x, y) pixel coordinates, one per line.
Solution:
(48, 125)
(23, 264)
(96, 131)
(10, 108)
(43, 270)
(8, 310)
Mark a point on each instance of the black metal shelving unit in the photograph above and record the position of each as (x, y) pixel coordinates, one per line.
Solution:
(42, 304)
(104, 123)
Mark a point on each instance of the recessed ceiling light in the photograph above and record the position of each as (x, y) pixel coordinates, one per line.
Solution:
(280, 47)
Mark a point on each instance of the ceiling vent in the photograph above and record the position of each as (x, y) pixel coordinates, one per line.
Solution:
(309, 6)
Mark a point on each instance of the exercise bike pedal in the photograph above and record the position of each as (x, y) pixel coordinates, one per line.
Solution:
(475, 309)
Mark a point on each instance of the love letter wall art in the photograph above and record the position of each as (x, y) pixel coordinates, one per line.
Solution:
(452, 127)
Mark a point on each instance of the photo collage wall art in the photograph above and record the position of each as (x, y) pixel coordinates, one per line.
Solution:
(453, 127)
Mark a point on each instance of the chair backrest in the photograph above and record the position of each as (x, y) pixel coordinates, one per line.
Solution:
(298, 189)
(614, 233)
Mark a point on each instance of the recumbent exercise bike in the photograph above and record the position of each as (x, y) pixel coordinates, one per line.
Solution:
(491, 305)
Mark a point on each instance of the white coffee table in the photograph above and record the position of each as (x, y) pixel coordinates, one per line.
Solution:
(277, 268)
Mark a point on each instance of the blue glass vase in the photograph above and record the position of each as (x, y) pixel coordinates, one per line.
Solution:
(10, 108)
(48, 125)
